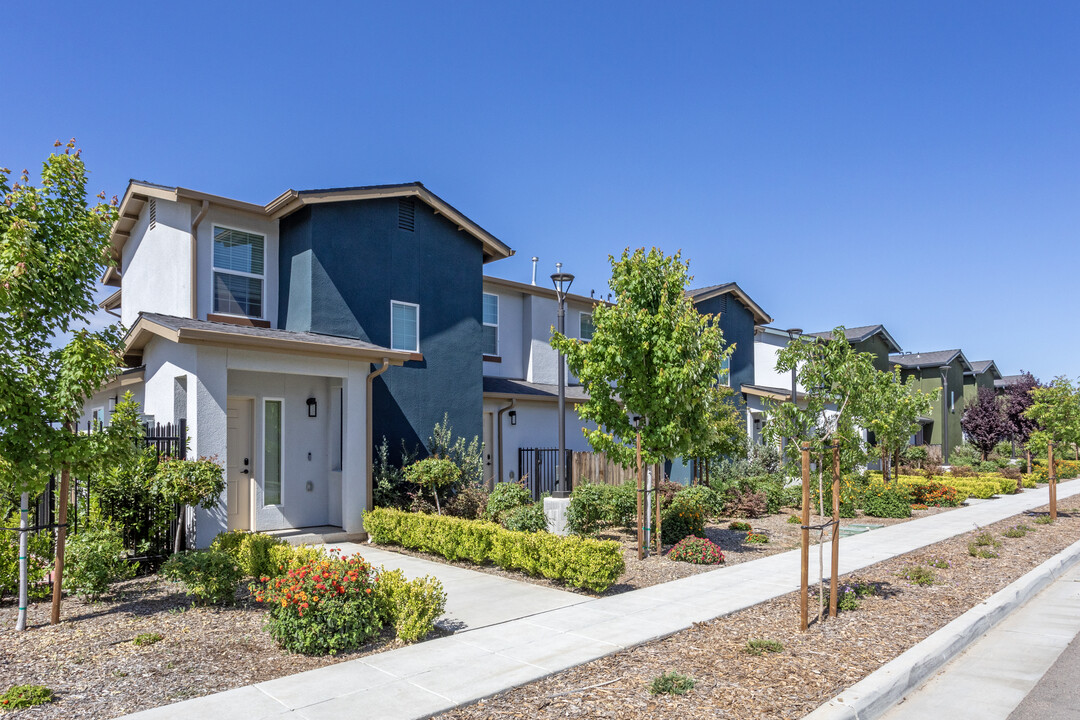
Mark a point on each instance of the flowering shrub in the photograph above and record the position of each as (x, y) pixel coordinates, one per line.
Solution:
(685, 516)
(919, 506)
(930, 492)
(739, 525)
(938, 562)
(1017, 531)
(696, 550)
(849, 596)
(324, 607)
(23, 696)
(754, 538)
(886, 501)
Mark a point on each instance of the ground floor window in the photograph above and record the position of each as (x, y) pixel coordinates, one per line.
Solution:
(272, 452)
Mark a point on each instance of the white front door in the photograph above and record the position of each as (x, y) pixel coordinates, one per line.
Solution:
(241, 450)
(489, 449)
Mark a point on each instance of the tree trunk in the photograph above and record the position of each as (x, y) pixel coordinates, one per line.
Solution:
(179, 529)
(884, 465)
(24, 506)
(61, 538)
(435, 492)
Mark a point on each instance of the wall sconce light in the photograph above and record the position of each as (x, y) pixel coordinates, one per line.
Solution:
(312, 407)
(112, 402)
(513, 417)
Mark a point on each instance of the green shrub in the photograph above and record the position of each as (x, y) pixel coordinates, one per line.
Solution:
(753, 538)
(230, 541)
(850, 490)
(1017, 531)
(526, 518)
(886, 501)
(209, 576)
(760, 647)
(432, 474)
(918, 575)
(696, 550)
(672, 683)
(622, 505)
(325, 607)
(850, 595)
(916, 455)
(738, 525)
(470, 502)
(984, 546)
(252, 552)
(1044, 520)
(94, 558)
(704, 497)
(965, 455)
(144, 639)
(794, 520)
(685, 516)
(24, 696)
(411, 606)
(38, 561)
(289, 557)
(594, 506)
(580, 562)
(505, 498)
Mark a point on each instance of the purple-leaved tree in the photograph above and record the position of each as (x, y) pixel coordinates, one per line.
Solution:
(984, 421)
(1017, 401)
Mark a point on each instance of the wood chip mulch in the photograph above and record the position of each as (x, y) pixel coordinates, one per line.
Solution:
(812, 667)
(95, 670)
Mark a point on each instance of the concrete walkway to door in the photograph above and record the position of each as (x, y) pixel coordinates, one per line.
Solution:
(473, 599)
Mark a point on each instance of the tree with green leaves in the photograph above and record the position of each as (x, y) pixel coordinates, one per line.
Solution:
(654, 356)
(53, 248)
(1056, 408)
(839, 385)
(892, 411)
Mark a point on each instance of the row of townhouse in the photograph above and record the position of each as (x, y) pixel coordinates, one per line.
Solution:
(292, 337)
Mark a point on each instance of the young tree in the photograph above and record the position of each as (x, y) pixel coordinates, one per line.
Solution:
(892, 413)
(1017, 401)
(53, 248)
(1056, 408)
(985, 422)
(652, 355)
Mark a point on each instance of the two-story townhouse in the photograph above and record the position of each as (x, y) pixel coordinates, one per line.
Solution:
(941, 370)
(291, 334)
(521, 373)
(983, 374)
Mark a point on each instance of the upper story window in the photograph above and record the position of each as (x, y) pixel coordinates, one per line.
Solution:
(239, 272)
(491, 324)
(725, 371)
(404, 326)
(587, 326)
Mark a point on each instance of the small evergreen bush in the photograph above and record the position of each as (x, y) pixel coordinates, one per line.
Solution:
(24, 696)
(505, 498)
(411, 606)
(95, 557)
(209, 576)
(144, 639)
(685, 516)
(760, 647)
(526, 518)
(672, 683)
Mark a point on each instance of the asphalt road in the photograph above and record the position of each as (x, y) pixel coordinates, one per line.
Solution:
(1057, 695)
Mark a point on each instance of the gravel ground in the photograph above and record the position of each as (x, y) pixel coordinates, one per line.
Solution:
(97, 672)
(811, 668)
(658, 569)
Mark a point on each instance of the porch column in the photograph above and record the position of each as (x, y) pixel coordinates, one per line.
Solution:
(207, 396)
(354, 496)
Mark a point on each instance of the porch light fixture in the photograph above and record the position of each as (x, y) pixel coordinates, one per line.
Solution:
(112, 402)
(513, 417)
(312, 407)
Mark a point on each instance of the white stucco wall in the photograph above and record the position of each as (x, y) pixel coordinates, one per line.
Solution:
(104, 400)
(237, 220)
(537, 427)
(156, 264)
(511, 345)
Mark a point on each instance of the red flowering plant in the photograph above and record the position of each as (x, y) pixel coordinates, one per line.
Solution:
(324, 606)
(696, 550)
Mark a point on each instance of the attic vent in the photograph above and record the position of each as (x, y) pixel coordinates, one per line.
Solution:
(723, 303)
(153, 213)
(406, 214)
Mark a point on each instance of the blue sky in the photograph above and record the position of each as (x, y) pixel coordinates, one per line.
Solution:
(915, 164)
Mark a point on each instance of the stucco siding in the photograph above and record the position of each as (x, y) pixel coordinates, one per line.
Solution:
(237, 220)
(156, 264)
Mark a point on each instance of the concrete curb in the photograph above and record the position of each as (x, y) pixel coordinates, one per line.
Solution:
(881, 690)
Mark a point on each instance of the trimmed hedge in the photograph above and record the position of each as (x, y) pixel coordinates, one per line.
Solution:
(580, 562)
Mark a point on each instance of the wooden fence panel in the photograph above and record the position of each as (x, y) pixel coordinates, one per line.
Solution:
(595, 467)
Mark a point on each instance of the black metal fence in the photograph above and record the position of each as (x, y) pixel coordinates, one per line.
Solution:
(153, 536)
(538, 468)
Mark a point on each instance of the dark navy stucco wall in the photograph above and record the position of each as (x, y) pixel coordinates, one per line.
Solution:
(737, 324)
(341, 265)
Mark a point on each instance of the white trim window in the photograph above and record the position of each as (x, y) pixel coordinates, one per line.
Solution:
(725, 371)
(273, 451)
(239, 272)
(491, 324)
(404, 326)
(585, 325)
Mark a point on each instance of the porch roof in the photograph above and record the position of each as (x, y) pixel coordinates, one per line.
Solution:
(497, 387)
(773, 393)
(205, 332)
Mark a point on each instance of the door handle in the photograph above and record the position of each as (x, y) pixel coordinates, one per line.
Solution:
(245, 471)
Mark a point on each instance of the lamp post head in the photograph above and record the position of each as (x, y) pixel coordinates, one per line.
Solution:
(562, 282)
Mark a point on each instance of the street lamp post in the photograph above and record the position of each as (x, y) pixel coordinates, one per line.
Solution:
(562, 282)
(792, 332)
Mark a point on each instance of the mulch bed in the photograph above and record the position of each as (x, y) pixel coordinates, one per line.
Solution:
(656, 569)
(812, 667)
(89, 661)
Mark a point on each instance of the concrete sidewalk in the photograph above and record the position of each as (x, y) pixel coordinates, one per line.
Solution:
(994, 675)
(473, 599)
(424, 679)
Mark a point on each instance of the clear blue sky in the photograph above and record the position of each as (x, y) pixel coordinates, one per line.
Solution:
(914, 164)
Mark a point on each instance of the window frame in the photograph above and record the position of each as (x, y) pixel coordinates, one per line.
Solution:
(725, 367)
(484, 323)
(405, 304)
(281, 453)
(582, 314)
(214, 269)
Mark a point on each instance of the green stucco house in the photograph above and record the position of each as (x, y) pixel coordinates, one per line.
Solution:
(983, 374)
(873, 339)
(940, 370)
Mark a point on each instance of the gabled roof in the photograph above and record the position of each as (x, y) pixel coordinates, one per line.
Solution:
(861, 333)
(938, 358)
(187, 330)
(1007, 380)
(542, 291)
(978, 367)
(139, 192)
(705, 293)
